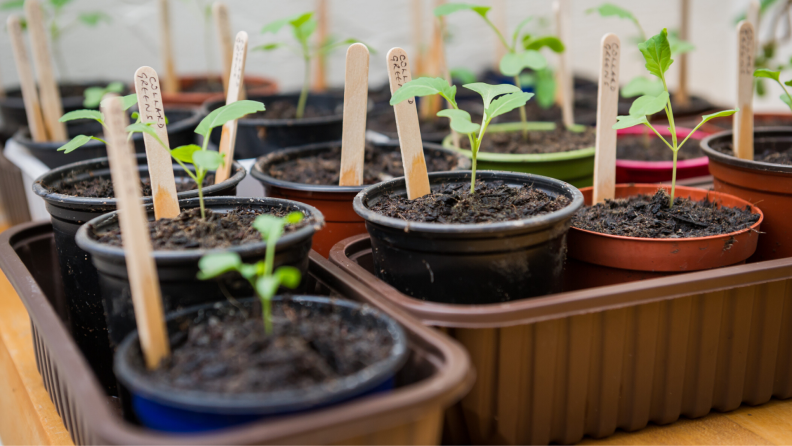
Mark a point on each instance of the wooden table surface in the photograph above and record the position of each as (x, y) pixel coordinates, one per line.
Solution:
(27, 416)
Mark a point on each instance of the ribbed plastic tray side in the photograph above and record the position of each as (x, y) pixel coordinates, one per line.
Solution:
(591, 368)
(439, 373)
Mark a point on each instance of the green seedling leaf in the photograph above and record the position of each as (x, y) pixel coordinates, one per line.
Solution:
(227, 113)
(269, 46)
(128, 101)
(769, 74)
(76, 142)
(507, 103)
(288, 276)
(185, 153)
(611, 10)
(489, 92)
(681, 47)
(786, 100)
(12, 4)
(513, 63)
(250, 272)
(424, 86)
(463, 75)
(629, 121)
(303, 31)
(94, 18)
(657, 53)
(788, 83)
(267, 286)
(545, 88)
(94, 95)
(207, 160)
(213, 265)
(640, 86)
(59, 3)
(268, 226)
(649, 105)
(82, 114)
(516, 33)
(460, 120)
(719, 114)
(276, 26)
(294, 217)
(140, 127)
(450, 8)
(554, 43)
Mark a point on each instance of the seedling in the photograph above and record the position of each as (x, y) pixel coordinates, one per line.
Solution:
(767, 52)
(517, 58)
(80, 140)
(657, 53)
(303, 26)
(498, 99)
(261, 276)
(94, 95)
(775, 75)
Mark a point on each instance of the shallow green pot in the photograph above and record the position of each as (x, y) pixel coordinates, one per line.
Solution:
(576, 167)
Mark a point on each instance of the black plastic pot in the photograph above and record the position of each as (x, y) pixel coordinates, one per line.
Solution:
(162, 407)
(80, 278)
(181, 131)
(257, 137)
(177, 270)
(12, 107)
(471, 263)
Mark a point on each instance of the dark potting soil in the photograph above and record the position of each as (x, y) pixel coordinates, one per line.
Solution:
(648, 216)
(98, 187)
(381, 164)
(385, 123)
(288, 110)
(190, 231)
(231, 353)
(549, 141)
(766, 151)
(204, 85)
(652, 148)
(453, 203)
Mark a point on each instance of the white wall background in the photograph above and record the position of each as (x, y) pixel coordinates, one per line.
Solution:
(114, 51)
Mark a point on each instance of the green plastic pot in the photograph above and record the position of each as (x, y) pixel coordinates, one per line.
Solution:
(576, 167)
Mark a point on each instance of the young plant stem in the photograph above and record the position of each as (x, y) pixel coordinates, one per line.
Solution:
(306, 83)
(675, 148)
(523, 117)
(199, 183)
(787, 93)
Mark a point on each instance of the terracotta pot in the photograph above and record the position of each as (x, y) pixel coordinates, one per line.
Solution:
(765, 184)
(665, 255)
(629, 171)
(760, 120)
(254, 85)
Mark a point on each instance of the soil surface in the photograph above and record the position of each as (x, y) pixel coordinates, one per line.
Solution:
(385, 123)
(231, 353)
(453, 203)
(204, 85)
(550, 141)
(99, 187)
(381, 164)
(190, 231)
(766, 152)
(288, 110)
(647, 216)
(652, 148)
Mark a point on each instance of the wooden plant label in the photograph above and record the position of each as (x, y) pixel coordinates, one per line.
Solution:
(30, 96)
(743, 119)
(223, 28)
(51, 105)
(235, 85)
(320, 78)
(607, 109)
(353, 139)
(166, 46)
(565, 82)
(681, 96)
(407, 126)
(143, 280)
(163, 184)
(754, 18)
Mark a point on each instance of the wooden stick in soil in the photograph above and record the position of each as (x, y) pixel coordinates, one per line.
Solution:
(353, 139)
(416, 177)
(143, 280)
(754, 18)
(160, 166)
(25, 72)
(171, 84)
(565, 81)
(743, 119)
(682, 98)
(441, 60)
(225, 38)
(51, 106)
(607, 109)
(417, 35)
(430, 105)
(320, 77)
(235, 85)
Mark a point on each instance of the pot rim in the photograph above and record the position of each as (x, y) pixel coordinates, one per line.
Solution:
(61, 199)
(211, 104)
(710, 193)
(503, 127)
(663, 165)
(566, 213)
(258, 173)
(741, 163)
(270, 402)
(86, 243)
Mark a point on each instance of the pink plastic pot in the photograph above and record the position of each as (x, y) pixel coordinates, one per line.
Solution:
(657, 171)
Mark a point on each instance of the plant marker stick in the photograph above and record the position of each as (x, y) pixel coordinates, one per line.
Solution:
(25, 73)
(320, 79)
(753, 16)
(235, 85)
(223, 27)
(681, 97)
(143, 280)
(430, 105)
(353, 138)
(51, 106)
(441, 60)
(163, 185)
(607, 109)
(743, 119)
(417, 28)
(561, 9)
(166, 45)
(415, 175)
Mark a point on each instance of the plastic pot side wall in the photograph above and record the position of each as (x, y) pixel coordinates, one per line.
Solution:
(629, 171)
(556, 368)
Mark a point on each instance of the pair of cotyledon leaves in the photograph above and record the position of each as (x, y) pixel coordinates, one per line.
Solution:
(775, 75)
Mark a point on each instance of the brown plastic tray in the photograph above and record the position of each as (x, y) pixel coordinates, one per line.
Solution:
(438, 372)
(588, 362)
